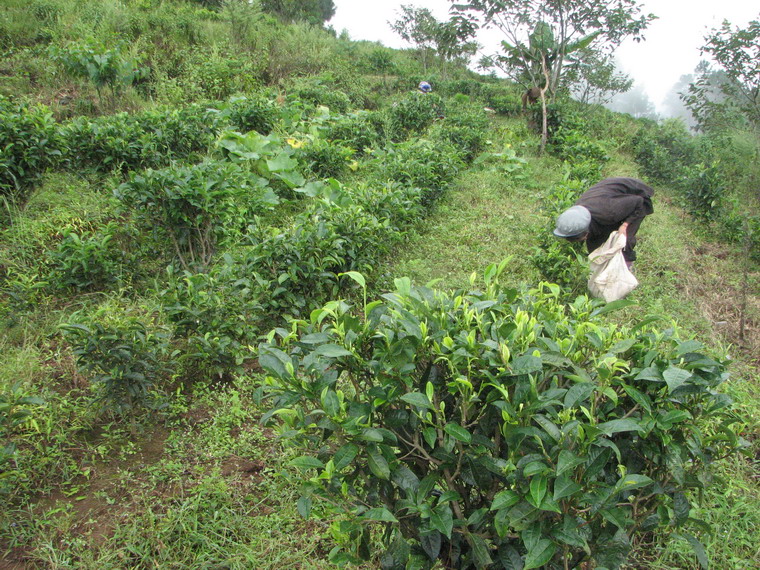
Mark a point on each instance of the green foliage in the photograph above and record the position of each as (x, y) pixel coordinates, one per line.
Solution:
(217, 315)
(466, 129)
(28, 145)
(314, 91)
(327, 160)
(664, 151)
(132, 142)
(430, 166)
(196, 207)
(415, 113)
(125, 361)
(16, 415)
(492, 427)
(359, 131)
(102, 66)
(88, 261)
(501, 98)
(255, 113)
(312, 11)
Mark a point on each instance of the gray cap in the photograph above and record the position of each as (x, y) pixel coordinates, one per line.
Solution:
(573, 222)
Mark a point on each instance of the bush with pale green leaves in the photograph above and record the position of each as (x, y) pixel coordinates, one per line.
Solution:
(495, 428)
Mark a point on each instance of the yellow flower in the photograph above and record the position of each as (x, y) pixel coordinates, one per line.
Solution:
(294, 143)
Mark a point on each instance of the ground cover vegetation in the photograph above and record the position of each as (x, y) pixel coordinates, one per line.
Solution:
(211, 355)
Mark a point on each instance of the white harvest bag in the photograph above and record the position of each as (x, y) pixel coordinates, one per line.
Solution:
(610, 277)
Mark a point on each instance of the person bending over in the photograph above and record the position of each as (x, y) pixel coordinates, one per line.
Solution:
(612, 204)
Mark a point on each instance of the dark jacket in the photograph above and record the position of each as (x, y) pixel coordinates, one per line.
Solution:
(612, 202)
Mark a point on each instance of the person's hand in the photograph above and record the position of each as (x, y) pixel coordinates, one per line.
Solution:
(623, 229)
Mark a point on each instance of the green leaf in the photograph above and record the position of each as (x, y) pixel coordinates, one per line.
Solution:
(504, 499)
(380, 514)
(431, 543)
(639, 397)
(356, 276)
(675, 377)
(377, 463)
(567, 460)
(534, 467)
(479, 551)
(681, 508)
(345, 455)
(578, 393)
(526, 364)
(372, 434)
(458, 432)
(307, 462)
(332, 351)
(417, 399)
(617, 426)
(630, 482)
(430, 436)
(540, 554)
(304, 507)
(441, 519)
(330, 402)
(697, 547)
(564, 487)
(538, 487)
(613, 306)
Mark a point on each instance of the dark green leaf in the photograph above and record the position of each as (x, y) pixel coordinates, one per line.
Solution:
(538, 487)
(344, 456)
(681, 508)
(698, 548)
(540, 554)
(307, 462)
(526, 364)
(617, 426)
(564, 487)
(458, 432)
(479, 551)
(379, 514)
(332, 351)
(504, 499)
(377, 463)
(441, 519)
(431, 543)
(675, 377)
(417, 399)
(567, 460)
(304, 507)
(613, 306)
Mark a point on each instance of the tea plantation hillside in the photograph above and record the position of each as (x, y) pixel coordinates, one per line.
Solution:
(263, 304)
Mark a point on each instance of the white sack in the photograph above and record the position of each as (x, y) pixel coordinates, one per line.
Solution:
(610, 277)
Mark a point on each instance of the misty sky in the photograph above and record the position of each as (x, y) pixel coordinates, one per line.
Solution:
(671, 48)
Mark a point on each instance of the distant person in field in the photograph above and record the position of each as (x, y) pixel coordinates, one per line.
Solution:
(614, 204)
(424, 87)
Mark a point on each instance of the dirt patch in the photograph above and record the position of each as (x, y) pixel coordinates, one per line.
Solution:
(722, 299)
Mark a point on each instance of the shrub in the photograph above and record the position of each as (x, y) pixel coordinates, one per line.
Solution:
(664, 151)
(196, 207)
(125, 359)
(704, 187)
(28, 145)
(421, 163)
(254, 113)
(489, 427)
(87, 261)
(466, 130)
(16, 413)
(359, 131)
(317, 93)
(327, 160)
(415, 112)
(102, 66)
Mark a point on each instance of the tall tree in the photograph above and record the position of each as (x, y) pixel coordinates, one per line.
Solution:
(542, 36)
(312, 11)
(731, 85)
(448, 40)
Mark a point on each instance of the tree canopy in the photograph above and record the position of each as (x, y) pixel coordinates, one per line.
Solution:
(542, 36)
(312, 11)
(732, 85)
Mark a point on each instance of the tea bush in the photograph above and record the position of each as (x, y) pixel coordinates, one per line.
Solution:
(254, 113)
(359, 131)
(415, 113)
(466, 130)
(327, 159)
(17, 408)
(88, 261)
(430, 166)
(28, 145)
(195, 207)
(317, 93)
(126, 362)
(134, 142)
(493, 428)
(664, 151)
